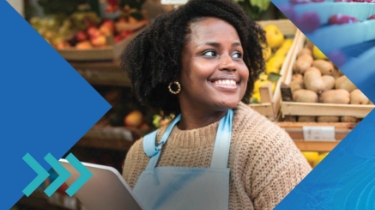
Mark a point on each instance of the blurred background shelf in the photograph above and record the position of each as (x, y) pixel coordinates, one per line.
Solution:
(39, 201)
(102, 72)
(295, 131)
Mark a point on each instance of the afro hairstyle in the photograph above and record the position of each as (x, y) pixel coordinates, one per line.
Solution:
(152, 60)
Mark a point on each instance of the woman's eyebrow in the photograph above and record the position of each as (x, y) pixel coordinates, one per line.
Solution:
(215, 44)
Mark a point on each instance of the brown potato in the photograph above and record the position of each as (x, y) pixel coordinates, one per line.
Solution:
(306, 119)
(329, 82)
(298, 78)
(328, 119)
(339, 96)
(357, 97)
(306, 96)
(337, 73)
(313, 80)
(348, 119)
(324, 66)
(295, 85)
(303, 63)
(290, 118)
(304, 51)
(344, 83)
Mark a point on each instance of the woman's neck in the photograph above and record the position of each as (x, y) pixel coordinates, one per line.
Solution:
(193, 118)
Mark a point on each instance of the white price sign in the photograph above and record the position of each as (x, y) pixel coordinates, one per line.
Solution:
(174, 2)
(319, 133)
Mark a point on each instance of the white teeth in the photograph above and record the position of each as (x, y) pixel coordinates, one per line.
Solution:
(225, 82)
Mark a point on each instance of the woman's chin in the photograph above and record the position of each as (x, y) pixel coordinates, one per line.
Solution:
(225, 105)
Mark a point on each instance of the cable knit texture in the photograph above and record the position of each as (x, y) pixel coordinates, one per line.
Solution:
(265, 164)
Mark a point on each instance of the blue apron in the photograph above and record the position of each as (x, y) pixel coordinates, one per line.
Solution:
(167, 187)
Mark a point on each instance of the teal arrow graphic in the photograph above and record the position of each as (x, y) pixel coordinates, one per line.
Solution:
(42, 174)
(63, 174)
(85, 175)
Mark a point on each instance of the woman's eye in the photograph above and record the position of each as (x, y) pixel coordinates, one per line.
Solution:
(237, 55)
(209, 53)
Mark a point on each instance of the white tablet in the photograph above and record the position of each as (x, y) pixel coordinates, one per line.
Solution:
(106, 189)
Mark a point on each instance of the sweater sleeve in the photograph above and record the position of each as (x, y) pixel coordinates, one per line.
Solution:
(280, 166)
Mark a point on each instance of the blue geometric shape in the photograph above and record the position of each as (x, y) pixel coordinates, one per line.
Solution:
(85, 175)
(46, 106)
(345, 179)
(42, 175)
(63, 175)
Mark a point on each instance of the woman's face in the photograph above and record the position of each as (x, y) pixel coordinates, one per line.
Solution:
(214, 75)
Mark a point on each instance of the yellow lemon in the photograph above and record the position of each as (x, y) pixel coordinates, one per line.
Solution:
(287, 44)
(274, 36)
(281, 53)
(320, 158)
(311, 157)
(318, 54)
(263, 76)
(271, 69)
(256, 96)
(276, 61)
(259, 83)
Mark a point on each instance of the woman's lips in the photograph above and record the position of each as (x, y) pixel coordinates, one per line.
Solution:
(228, 84)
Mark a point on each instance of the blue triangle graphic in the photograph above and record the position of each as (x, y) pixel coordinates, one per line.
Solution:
(46, 106)
(345, 179)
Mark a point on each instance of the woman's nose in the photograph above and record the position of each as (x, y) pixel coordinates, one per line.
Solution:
(227, 64)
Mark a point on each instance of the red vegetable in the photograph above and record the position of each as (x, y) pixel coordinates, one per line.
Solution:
(341, 19)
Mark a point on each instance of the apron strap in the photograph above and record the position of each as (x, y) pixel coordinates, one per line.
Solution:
(152, 150)
(222, 142)
(149, 144)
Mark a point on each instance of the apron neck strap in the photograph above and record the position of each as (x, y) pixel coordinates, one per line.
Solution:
(222, 142)
(221, 148)
(149, 140)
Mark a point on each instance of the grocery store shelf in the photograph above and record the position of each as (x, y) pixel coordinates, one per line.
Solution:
(113, 144)
(317, 146)
(295, 131)
(102, 72)
(114, 138)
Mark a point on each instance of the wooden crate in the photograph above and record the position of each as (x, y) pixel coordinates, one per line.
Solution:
(108, 53)
(295, 131)
(318, 109)
(270, 103)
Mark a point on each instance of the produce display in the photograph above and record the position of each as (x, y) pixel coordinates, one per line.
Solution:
(317, 80)
(274, 53)
(127, 113)
(322, 20)
(85, 30)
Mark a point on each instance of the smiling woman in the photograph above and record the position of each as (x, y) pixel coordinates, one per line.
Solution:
(200, 63)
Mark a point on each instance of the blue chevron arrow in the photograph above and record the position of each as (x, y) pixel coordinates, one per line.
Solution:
(42, 174)
(85, 175)
(63, 174)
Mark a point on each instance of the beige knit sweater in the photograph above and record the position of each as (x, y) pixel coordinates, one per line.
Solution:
(265, 164)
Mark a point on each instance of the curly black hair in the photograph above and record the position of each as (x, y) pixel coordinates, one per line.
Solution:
(153, 59)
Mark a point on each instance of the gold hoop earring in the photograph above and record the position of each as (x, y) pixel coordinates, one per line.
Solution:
(178, 87)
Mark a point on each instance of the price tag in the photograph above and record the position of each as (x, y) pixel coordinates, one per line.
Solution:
(174, 2)
(319, 133)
